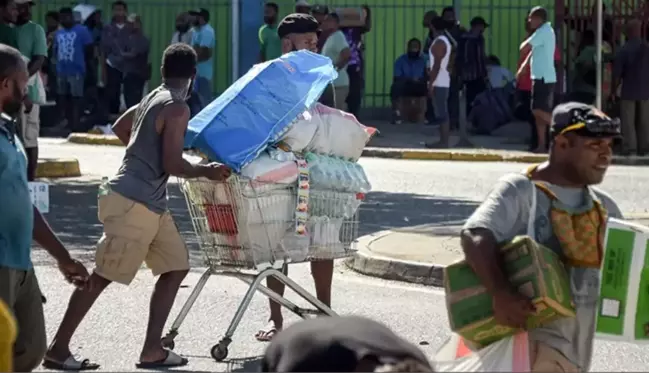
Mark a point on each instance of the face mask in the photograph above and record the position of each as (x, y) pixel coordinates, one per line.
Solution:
(13, 107)
(413, 54)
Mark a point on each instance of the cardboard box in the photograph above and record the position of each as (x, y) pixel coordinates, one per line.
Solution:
(535, 270)
(623, 311)
(352, 17)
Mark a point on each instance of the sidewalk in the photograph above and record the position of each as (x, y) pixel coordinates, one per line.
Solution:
(416, 254)
(406, 141)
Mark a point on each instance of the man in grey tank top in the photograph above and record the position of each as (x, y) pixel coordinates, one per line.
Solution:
(133, 208)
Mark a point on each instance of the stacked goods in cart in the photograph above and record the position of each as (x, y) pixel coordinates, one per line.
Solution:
(297, 187)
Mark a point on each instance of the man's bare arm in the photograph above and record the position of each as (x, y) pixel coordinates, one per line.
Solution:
(35, 64)
(203, 53)
(439, 51)
(175, 118)
(124, 125)
(343, 58)
(45, 237)
(482, 254)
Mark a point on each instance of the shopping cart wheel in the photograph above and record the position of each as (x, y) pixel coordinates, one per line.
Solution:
(167, 342)
(219, 351)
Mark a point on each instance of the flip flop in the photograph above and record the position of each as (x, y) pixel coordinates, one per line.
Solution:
(70, 364)
(267, 334)
(172, 360)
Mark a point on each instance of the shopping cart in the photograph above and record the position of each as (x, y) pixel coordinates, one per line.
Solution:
(247, 230)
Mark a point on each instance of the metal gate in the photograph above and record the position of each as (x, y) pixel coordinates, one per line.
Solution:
(576, 16)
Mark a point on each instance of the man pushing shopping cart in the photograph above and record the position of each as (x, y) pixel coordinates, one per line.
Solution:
(133, 209)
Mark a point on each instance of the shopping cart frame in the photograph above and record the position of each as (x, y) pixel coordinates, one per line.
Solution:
(253, 278)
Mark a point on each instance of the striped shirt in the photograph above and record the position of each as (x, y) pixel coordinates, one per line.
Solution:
(471, 60)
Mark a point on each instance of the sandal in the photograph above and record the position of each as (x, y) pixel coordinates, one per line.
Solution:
(70, 364)
(267, 334)
(172, 360)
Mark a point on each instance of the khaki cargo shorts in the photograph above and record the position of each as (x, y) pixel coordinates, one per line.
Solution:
(133, 234)
(30, 124)
(545, 359)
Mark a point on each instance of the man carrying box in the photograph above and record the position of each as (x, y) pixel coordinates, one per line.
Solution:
(565, 213)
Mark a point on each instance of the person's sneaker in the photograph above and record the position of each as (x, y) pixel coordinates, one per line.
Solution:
(396, 117)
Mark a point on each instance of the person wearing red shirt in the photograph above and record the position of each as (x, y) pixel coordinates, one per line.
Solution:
(524, 90)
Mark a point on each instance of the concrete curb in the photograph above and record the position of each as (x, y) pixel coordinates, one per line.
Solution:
(57, 168)
(94, 139)
(486, 155)
(393, 269)
(432, 274)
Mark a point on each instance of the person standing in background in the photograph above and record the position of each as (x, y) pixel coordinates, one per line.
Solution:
(320, 12)
(453, 32)
(355, 68)
(337, 48)
(439, 82)
(302, 6)
(540, 49)
(94, 25)
(184, 32)
(113, 40)
(630, 70)
(271, 46)
(52, 25)
(203, 41)
(471, 61)
(136, 62)
(8, 15)
(33, 45)
(72, 45)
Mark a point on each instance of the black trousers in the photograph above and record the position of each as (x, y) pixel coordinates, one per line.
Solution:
(355, 95)
(115, 79)
(472, 89)
(133, 89)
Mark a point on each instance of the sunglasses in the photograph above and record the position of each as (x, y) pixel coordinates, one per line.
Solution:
(595, 124)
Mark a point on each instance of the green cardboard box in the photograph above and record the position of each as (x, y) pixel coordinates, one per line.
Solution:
(623, 312)
(535, 270)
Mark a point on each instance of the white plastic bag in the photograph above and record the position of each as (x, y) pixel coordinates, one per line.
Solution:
(339, 134)
(301, 132)
(507, 355)
(268, 170)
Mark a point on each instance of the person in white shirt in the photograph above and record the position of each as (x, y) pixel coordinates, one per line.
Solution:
(184, 32)
(439, 81)
(499, 76)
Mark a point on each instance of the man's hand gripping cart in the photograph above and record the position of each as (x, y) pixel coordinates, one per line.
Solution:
(251, 230)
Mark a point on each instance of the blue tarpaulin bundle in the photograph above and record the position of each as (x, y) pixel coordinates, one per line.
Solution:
(259, 107)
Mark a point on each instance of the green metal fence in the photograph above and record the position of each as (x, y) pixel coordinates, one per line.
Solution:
(158, 20)
(393, 23)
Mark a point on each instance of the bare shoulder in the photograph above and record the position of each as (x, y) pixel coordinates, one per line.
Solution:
(176, 109)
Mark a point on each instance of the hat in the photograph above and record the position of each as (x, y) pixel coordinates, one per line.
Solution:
(479, 21)
(302, 3)
(336, 344)
(583, 120)
(319, 9)
(297, 23)
(200, 12)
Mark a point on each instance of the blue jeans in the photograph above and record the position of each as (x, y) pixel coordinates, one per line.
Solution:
(201, 96)
(440, 104)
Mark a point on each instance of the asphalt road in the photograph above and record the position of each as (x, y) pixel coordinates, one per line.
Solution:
(405, 193)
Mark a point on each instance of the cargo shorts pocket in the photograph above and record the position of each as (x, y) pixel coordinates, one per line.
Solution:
(113, 206)
(118, 258)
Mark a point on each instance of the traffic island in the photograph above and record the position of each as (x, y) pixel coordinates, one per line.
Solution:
(58, 168)
(418, 254)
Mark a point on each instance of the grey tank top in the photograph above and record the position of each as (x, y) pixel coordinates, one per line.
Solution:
(142, 177)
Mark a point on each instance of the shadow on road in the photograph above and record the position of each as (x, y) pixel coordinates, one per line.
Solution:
(73, 215)
(383, 210)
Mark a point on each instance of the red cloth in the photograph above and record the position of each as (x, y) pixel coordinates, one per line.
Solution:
(524, 82)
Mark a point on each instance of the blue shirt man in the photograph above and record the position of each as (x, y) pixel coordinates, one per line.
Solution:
(17, 218)
(70, 45)
(543, 43)
(412, 67)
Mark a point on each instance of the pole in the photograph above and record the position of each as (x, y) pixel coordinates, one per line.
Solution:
(598, 56)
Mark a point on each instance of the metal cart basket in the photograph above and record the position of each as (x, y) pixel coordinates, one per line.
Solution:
(247, 230)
